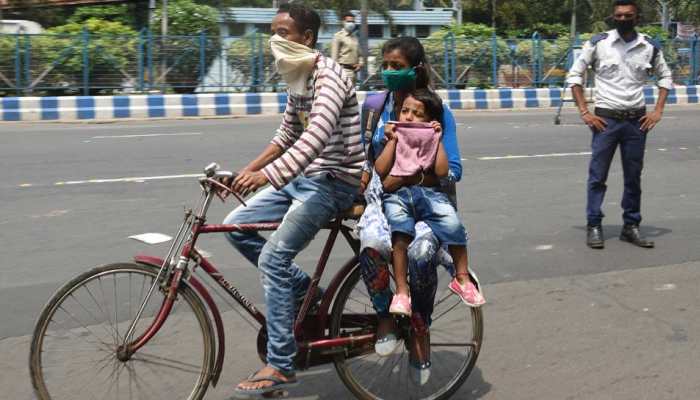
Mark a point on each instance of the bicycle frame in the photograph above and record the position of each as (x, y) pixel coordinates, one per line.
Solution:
(310, 330)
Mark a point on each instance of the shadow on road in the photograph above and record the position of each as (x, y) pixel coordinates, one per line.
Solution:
(324, 383)
(613, 231)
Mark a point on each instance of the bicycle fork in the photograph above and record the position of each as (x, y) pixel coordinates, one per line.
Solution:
(186, 234)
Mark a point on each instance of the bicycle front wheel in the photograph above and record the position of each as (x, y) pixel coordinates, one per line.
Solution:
(455, 339)
(74, 348)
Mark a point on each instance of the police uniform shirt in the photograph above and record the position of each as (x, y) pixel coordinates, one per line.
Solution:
(621, 69)
(345, 49)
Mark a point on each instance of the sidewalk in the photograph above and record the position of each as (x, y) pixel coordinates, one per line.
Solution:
(621, 335)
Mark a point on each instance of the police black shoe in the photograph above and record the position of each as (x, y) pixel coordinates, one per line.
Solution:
(594, 239)
(630, 233)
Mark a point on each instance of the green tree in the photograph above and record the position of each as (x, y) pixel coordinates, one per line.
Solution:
(179, 55)
(122, 13)
(57, 56)
(186, 17)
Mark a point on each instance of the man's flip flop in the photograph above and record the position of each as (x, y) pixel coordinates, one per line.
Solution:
(277, 384)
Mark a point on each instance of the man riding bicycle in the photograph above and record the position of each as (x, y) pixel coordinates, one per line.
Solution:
(313, 164)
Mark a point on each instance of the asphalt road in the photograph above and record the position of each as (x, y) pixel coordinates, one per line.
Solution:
(65, 206)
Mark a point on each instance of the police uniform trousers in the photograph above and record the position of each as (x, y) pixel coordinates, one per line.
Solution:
(632, 141)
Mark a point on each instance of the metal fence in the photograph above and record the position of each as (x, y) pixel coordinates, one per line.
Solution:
(89, 64)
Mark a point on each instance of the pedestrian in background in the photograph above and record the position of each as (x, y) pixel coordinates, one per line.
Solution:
(345, 49)
(623, 61)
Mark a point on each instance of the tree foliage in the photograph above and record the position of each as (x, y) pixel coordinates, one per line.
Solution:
(187, 17)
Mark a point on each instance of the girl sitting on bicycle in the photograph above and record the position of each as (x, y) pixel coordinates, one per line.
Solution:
(413, 146)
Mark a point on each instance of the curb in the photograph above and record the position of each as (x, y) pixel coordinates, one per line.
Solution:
(115, 108)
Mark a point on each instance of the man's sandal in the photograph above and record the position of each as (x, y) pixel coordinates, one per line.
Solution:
(277, 384)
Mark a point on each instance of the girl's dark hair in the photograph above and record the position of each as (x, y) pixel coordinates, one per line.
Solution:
(431, 102)
(304, 18)
(413, 51)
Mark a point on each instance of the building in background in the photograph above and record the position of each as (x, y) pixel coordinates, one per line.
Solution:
(239, 21)
(12, 26)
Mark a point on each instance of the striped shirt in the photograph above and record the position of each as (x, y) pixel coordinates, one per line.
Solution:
(320, 133)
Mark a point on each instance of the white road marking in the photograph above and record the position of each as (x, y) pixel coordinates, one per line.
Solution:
(146, 135)
(665, 287)
(139, 179)
(52, 214)
(513, 157)
(152, 238)
(143, 179)
(544, 247)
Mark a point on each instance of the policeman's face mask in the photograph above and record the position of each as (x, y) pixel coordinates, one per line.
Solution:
(624, 22)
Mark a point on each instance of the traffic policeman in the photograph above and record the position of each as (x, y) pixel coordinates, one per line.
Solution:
(345, 48)
(623, 60)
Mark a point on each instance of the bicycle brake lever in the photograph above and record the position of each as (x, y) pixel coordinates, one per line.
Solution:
(227, 189)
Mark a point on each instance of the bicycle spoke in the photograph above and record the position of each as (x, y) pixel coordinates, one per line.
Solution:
(110, 377)
(75, 356)
(454, 346)
(97, 345)
(97, 321)
(465, 344)
(86, 328)
(169, 362)
(89, 381)
(445, 312)
(116, 303)
(99, 280)
(160, 376)
(87, 288)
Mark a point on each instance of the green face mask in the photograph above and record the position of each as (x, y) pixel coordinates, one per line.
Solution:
(399, 79)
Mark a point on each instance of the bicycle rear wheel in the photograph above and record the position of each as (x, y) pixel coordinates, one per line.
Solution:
(74, 348)
(455, 339)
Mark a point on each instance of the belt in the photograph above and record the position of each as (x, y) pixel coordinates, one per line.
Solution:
(347, 66)
(620, 115)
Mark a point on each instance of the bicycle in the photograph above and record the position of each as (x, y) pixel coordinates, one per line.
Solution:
(120, 329)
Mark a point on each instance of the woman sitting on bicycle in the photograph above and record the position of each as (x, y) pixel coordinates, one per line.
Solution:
(405, 69)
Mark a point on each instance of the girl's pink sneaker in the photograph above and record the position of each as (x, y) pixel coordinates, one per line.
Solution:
(468, 292)
(401, 305)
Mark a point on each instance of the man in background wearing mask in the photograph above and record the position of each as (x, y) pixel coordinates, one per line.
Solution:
(623, 61)
(313, 164)
(345, 48)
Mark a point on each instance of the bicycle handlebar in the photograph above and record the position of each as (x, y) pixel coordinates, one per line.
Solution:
(213, 177)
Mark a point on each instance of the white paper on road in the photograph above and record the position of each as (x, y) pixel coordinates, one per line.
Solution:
(151, 238)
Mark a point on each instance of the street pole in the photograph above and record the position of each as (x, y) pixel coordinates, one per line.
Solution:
(493, 15)
(364, 36)
(665, 15)
(163, 33)
(457, 6)
(573, 21)
(164, 19)
(151, 11)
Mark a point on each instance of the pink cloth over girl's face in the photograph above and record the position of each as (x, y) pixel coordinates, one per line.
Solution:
(416, 149)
